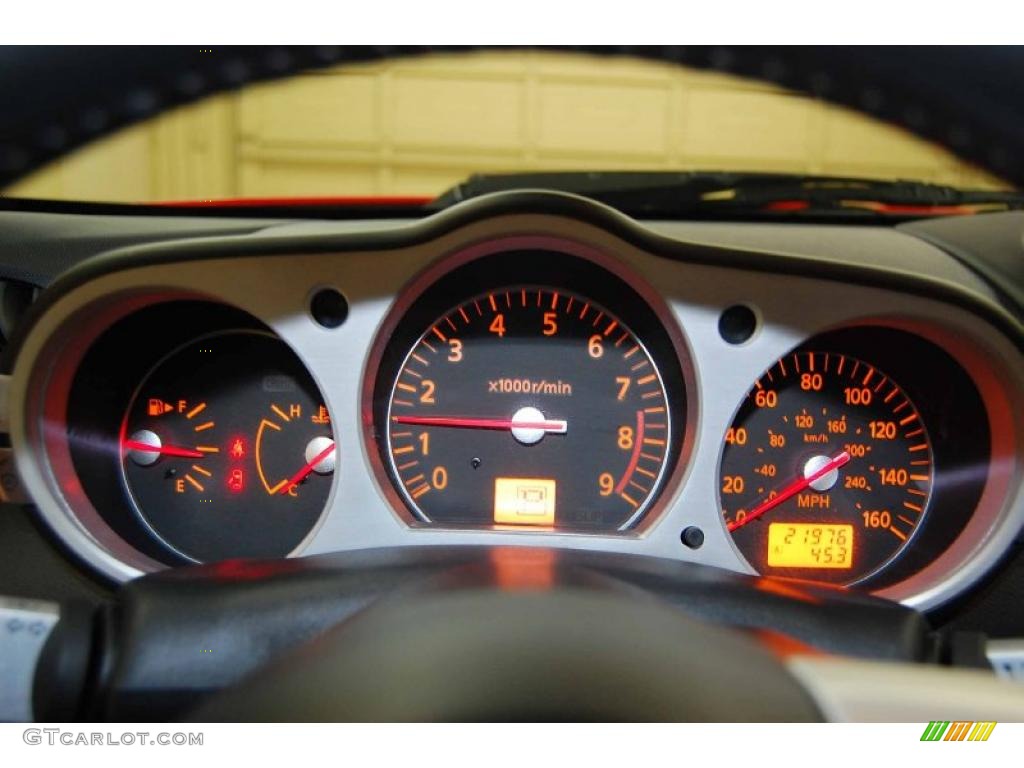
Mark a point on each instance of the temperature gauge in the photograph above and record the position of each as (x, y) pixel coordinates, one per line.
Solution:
(287, 437)
(227, 449)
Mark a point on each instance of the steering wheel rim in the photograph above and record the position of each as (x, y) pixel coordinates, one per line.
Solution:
(345, 636)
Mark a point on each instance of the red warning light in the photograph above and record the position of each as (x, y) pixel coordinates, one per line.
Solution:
(237, 450)
(236, 480)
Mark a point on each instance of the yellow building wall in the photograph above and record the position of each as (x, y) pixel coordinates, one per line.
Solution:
(420, 125)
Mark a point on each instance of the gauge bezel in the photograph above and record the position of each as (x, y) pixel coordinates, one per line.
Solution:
(414, 310)
(108, 543)
(944, 520)
(383, 413)
(955, 568)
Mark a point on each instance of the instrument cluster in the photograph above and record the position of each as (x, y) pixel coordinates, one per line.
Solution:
(529, 380)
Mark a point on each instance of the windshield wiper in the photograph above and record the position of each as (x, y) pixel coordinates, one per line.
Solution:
(712, 194)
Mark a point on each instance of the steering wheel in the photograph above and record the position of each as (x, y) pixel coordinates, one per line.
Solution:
(485, 633)
(496, 633)
(468, 646)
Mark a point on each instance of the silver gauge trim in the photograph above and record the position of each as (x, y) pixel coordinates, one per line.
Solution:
(275, 290)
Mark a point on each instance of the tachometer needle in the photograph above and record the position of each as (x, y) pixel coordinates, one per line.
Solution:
(309, 466)
(555, 426)
(791, 490)
(163, 450)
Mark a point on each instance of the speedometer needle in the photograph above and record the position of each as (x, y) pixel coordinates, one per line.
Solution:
(163, 450)
(556, 426)
(791, 490)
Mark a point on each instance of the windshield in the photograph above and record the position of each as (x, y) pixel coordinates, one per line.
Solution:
(413, 128)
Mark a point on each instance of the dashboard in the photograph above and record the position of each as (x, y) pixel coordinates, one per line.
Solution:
(839, 405)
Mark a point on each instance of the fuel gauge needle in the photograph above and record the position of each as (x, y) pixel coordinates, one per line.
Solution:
(163, 450)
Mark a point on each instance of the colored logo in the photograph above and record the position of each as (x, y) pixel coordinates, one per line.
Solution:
(946, 731)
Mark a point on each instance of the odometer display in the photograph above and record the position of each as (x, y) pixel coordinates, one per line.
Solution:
(529, 407)
(810, 545)
(827, 469)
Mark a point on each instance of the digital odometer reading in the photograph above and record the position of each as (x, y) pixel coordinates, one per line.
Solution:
(521, 396)
(807, 545)
(827, 469)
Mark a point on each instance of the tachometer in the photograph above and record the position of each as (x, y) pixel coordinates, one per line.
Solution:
(827, 469)
(531, 405)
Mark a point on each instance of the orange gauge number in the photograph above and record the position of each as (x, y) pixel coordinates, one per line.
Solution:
(826, 470)
(530, 407)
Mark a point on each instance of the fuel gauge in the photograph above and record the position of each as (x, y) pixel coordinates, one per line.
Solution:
(227, 449)
(145, 447)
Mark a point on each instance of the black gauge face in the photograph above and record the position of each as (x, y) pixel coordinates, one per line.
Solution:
(827, 469)
(227, 449)
(533, 407)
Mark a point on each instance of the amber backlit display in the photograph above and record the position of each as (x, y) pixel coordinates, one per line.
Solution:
(524, 501)
(803, 545)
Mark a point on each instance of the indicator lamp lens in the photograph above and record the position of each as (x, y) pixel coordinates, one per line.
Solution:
(237, 448)
(236, 480)
(524, 501)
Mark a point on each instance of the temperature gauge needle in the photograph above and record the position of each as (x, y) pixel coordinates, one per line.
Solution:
(163, 450)
(309, 466)
(791, 490)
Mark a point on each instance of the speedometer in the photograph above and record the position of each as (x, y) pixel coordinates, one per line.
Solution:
(531, 405)
(827, 469)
